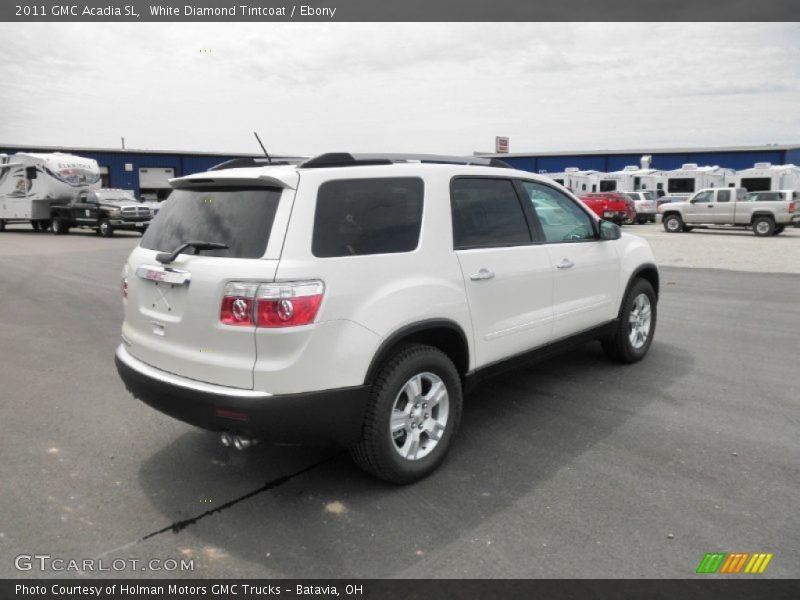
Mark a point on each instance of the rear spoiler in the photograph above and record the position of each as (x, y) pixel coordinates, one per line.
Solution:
(262, 180)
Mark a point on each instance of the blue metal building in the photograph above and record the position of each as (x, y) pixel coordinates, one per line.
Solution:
(663, 159)
(146, 171)
(127, 169)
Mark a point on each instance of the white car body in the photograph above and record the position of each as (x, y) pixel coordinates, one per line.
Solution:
(503, 301)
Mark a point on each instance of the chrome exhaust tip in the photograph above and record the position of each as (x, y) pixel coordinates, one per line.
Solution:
(241, 443)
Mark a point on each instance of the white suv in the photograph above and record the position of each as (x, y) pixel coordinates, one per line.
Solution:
(353, 299)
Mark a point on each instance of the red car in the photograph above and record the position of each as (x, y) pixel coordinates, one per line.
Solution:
(612, 206)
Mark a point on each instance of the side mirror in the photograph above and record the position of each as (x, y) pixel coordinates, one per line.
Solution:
(610, 231)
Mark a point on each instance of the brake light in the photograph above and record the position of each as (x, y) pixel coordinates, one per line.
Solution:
(792, 207)
(271, 305)
(288, 304)
(237, 304)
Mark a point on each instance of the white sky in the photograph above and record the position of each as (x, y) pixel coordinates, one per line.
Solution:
(399, 87)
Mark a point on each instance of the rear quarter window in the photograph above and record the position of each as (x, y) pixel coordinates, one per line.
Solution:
(356, 217)
(241, 218)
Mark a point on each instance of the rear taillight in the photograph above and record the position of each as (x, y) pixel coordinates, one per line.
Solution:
(792, 207)
(286, 304)
(237, 304)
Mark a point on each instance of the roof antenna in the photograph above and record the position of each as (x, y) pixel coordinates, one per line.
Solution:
(269, 160)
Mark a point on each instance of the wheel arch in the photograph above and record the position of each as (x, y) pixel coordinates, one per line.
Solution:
(444, 334)
(648, 272)
(760, 214)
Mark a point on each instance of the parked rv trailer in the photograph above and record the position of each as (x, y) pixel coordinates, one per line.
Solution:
(690, 178)
(765, 177)
(31, 183)
(581, 182)
(631, 179)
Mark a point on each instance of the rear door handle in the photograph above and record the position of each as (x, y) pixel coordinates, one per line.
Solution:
(565, 264)
(481, 275)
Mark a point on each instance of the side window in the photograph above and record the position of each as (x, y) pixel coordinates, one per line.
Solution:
(367, 216)
(561, 219)
(487, 213)
(704, 197)
(723, 196)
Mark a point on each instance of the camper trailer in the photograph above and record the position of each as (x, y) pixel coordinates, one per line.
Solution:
(631, 179)
(31, 183)
(581, 182)
(766, 177)
(690, 178)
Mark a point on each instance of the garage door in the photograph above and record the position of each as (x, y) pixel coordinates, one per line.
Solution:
(155, 178)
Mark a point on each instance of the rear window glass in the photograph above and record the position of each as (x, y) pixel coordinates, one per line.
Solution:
(367, 216)
(240, 218)
(487, 212)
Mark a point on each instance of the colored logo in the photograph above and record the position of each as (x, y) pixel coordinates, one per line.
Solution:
(734, 562)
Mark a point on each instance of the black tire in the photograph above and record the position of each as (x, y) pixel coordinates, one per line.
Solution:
(377, 452)
(35, 225)
(44, 224)
(763, 226)
(2, 225)
(673, 224)
(60, 227)
(687, 228)
(779, 229)
(105, 229)
(619, 346)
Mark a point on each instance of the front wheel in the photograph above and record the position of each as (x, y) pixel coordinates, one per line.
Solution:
(634, 331)
(60, 227)
(2, 224)
(673, 224)
(413, 413)
(105, 229)
(763, 226)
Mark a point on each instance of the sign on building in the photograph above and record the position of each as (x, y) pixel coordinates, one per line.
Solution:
(501, 145)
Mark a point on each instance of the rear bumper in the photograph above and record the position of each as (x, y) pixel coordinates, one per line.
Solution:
(324, 417)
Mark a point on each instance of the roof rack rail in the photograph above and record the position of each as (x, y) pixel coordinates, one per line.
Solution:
(345, 159)
(256, 161)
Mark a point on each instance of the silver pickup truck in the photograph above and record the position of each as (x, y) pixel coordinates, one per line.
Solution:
(728, 206)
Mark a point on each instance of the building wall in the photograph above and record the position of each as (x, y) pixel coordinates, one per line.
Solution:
(664, 161)
(184, 164)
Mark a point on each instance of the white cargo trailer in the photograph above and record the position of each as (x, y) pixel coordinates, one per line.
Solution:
(31, 183)
(631, 179)
(766, 177)
(691, 177)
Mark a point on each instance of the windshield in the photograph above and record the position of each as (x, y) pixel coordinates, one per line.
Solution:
(241, 218)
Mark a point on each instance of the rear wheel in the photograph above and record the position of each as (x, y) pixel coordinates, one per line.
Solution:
(763, 226)
(673, 224)
(413, 414)
(105, 229)
(633, 334)
(2, 224)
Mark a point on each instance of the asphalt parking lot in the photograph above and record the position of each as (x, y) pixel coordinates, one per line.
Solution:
(570, 468)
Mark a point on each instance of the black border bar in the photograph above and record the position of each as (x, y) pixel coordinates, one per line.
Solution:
(398, 10)
(705, 588)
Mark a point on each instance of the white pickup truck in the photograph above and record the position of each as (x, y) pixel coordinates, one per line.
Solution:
(728, 206)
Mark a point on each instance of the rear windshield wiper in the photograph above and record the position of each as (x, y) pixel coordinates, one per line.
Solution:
(167, 257)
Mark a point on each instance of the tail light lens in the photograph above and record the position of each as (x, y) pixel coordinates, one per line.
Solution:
(237, 304)
(288, 304)
(792, 207)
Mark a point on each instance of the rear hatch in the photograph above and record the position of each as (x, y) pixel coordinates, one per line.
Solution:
(172, 313)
